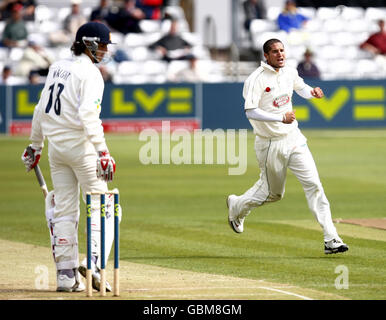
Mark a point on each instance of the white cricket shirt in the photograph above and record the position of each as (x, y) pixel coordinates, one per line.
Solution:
(271, 91)
(70, 104)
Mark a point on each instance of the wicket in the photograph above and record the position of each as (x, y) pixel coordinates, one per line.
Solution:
(102, 253)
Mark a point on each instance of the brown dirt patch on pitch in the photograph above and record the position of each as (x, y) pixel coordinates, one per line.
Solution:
(379, 223)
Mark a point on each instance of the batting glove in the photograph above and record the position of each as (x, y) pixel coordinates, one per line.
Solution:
(105, 166)
(31, 157)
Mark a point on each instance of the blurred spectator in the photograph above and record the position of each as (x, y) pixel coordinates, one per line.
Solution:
(15, 32)
(28, 9)
(151, 8)
(376, 44)
(34, 78)
(253, 9)
(172, 46)
(307, 68)
(290, 19)
(102, 12)
(127, 19)
(34, 58)
(7, 78)
(120, 55)
(75, 19)
(70, 25)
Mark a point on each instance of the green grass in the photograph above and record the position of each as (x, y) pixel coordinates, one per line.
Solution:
(175, 215)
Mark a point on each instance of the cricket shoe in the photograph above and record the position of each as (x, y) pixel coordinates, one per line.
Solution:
(96, 276)
(335, 246)
(235, 221)
(66, 283)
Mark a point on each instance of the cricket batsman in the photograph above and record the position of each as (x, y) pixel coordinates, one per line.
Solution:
(280, 145)
(67, 114)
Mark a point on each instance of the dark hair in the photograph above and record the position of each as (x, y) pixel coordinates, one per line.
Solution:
(267, 45)
(78, 48)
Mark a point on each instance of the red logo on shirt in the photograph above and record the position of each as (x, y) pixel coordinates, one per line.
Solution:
(267, 89)
(281, 100)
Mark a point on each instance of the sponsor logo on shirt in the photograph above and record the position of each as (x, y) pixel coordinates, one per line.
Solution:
(281, 100)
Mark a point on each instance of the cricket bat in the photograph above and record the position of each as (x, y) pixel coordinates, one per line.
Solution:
(39, 175)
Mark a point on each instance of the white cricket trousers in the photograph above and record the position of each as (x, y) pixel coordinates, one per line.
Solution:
(73, 164)
(274, 157)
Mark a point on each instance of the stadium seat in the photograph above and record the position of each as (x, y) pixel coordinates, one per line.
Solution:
(330, 52)
(39, 38)
(352, 52)
(177, 65)
(357, 25)
(135, 79)
(262, 25)
(327, 13)
(342, 67)
(126, 68)
(30, 25)
(295, 52)
(140, 53)
(118, 38)
(63, 13)
(64, 53)
(273, 12)
(201, 52)
(134, 40)
(373, 13)
(43, 13)
(3, 54)
(319, 38)
(344, 38)
(191, 37)
(334, 25)
(15, 54)
(366, 66)
(259, 38)
(309, 12)
(322, 65)
(350, 13)
(154, 67)
(148, 25)
(314, 25)
(49, 26)
(292, 63)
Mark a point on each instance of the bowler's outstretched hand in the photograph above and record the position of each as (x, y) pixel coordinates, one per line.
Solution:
(317, 93)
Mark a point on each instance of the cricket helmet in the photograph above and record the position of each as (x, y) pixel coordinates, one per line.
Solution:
(93, 31)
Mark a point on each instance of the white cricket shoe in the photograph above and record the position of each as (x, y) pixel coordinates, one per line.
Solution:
(235, 221)
(96, 276)
(335, 246)
(69, 284)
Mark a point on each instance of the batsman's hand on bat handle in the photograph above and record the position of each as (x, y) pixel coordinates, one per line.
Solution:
(317, 93)
(31, 157)
(105, 166)
(289, 117)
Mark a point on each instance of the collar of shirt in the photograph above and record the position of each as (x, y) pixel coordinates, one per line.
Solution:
(269, 67)
(85, 57)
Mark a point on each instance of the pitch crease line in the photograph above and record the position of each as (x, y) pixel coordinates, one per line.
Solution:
(289, 293)
(199, 288)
